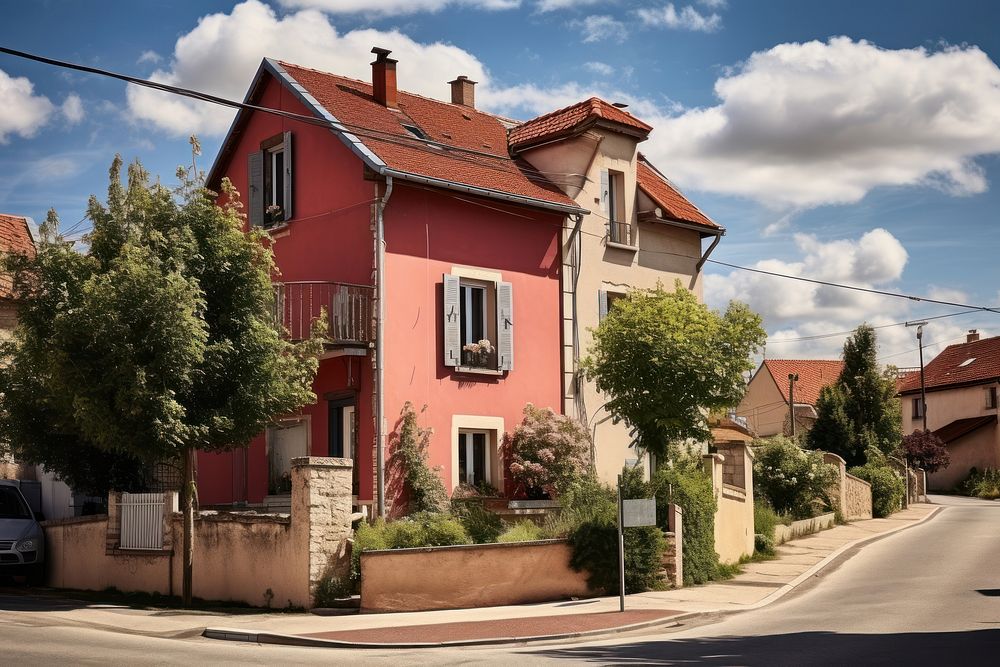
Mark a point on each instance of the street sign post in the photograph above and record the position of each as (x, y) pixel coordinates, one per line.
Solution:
(631, 514)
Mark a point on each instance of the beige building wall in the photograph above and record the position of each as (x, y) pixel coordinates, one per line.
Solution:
(763, 405)
(659, 253)
(979, 449)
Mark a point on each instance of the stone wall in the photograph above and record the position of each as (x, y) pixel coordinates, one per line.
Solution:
(467, 576)
(259, 559)
(673, 555)
(852, 496)
(784, 533)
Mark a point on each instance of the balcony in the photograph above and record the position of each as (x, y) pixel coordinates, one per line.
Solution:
(349, 311)
(620, 233)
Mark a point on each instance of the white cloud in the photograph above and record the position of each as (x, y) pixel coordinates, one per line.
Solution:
(714, 4)
(217, 57)
(149, 56)
(72, 109)
(801, 125)
(603, 69)
(688, 18)
(795, 310)
(395, 7)
(553, 5)
(599, 27)
(24, 111)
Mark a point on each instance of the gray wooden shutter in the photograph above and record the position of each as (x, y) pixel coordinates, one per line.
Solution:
(287, 208)
(602, 296)
(605, 191)
(505, 326)
(452, 321)
(255, 183)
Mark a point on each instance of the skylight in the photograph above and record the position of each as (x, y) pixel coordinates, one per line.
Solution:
(966, 362)
(415, 131)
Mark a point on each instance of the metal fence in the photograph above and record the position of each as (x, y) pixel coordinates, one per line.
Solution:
(142, 520)
(346, 308)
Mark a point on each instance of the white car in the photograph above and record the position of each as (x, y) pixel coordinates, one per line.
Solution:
(22, 541)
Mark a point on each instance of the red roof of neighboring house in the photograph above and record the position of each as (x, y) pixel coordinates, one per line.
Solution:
(571, 119)
(663, 193)
(953, 366)
(15, 236)
(814, 374)
(962, 427)
(485, 162)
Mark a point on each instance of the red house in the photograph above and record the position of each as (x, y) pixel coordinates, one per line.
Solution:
(434, 254)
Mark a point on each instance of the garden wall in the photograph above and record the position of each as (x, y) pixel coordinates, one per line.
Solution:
(466, 576)
(261, 560)
(804, 527)
(852, 496)
(734, 514)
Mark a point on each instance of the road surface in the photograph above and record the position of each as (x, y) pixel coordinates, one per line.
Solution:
(927, 595)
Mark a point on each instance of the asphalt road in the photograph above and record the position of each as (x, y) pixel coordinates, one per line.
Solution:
(927, 595)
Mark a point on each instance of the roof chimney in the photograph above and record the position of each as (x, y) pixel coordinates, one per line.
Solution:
(973, 336)
(384, 78)
(463, 91)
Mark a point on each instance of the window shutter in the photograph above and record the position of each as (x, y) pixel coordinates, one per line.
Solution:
(605, 191)
(505, 326)
(287, 208)
(255, 182)
(452, 321)
(602, 296)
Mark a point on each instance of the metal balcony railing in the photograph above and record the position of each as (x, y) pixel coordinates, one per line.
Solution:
(348, 310)
(620, 232)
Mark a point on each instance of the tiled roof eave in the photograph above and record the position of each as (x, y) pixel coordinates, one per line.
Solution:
(948, 385)
(684, 224)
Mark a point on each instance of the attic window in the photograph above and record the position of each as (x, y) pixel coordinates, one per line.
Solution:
(415, 131)
(966, 362)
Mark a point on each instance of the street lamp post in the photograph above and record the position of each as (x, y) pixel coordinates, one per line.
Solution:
(792, 379)
(923, 389)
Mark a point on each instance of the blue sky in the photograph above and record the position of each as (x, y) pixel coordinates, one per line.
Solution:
(852, 142)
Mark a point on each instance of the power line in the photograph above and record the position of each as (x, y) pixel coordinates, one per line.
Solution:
(803, 339)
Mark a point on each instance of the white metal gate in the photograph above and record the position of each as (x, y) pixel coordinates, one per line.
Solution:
(142, 520)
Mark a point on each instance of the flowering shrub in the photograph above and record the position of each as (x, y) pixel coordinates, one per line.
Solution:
(548, 451)
(478, 354)
(791, 479)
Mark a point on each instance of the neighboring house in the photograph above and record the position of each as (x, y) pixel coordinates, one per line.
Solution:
(640, 231)
(765, 406)
(471, 254)
(961, 386)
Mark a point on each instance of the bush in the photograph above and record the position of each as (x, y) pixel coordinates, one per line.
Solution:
(765, 519)
(790, 478)
(985, 484)
(887, 486)
(763, 544)
(548, 451)
(426, 529)
(522, 531)
(925, 450)
(586, 499)
(686, 484)
(482, 525)
(423, 487)
(328, 590)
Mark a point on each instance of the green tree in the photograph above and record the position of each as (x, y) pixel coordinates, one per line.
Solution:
(860, 410)
(664, 360)
(157, 341)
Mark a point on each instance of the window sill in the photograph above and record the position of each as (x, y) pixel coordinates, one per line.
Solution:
(479, 371)
(622, 246)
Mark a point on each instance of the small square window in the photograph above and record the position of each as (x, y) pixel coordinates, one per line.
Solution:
(991, 398)
(917, 408)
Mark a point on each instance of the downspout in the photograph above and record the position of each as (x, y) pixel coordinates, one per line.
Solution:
(380, 346)
(577, 255)
(704, 258)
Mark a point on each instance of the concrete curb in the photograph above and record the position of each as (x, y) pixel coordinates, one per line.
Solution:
(666, 622)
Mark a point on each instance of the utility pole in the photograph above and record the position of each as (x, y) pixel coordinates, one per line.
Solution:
(923, 387)
(792, 379)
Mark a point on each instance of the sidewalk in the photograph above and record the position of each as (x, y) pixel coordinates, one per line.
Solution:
(758, 585)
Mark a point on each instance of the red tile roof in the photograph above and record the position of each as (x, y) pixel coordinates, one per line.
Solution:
(673, 204)
(947, 368)
(14, 237)
(489, 167)
(574, 118)
(814, 374)
(962, 427)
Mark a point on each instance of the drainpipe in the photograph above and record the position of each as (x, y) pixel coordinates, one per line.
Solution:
(380, 346)
(704, 258)
(577, 254)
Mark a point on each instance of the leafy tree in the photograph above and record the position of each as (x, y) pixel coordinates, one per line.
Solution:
(925, 450)
(860, 410)
(157, 341)
(665, 360)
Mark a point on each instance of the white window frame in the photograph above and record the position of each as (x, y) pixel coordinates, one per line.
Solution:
(468, 436)
(272, 159)
(494, 429)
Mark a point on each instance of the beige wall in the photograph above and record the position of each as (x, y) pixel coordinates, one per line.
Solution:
(763, 405)
(664, 254)
(851, 495)
(262, 560)
(478, 575)
(734, 516)
(979, 449)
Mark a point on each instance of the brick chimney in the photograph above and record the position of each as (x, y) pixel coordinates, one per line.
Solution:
(973, 336)
(384, 78)
(463, 91)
